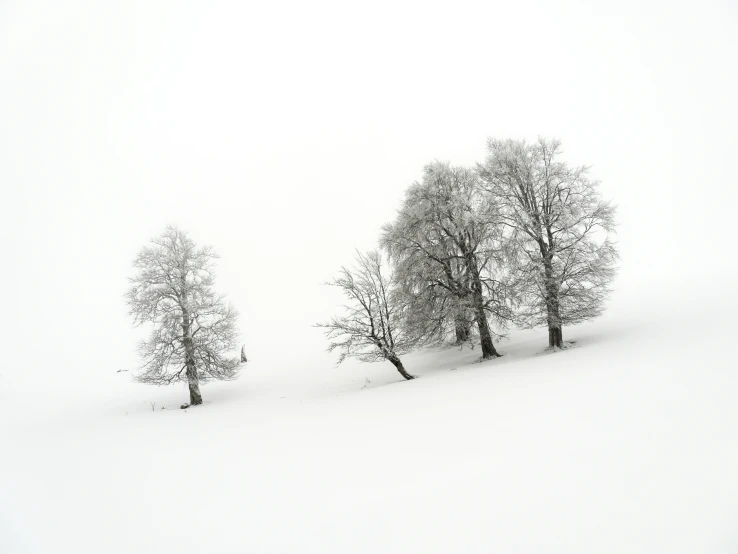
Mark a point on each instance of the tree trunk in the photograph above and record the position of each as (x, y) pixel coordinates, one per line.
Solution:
(192, 378)
(553, 316)
(398, 364)
(463, 329)
(485, 336)
(555, 337)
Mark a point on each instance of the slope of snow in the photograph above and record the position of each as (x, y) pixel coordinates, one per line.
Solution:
(625, 443)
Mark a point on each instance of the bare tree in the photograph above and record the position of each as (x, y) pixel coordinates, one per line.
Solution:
(560, 231)
(446, 244)
(193, 327)
(370, 329)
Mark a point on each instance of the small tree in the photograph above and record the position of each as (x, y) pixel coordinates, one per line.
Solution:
(193, 328)
(370, 329)
(562, 253)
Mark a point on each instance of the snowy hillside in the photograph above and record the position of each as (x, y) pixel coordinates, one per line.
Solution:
(292, 136)
(625, 443)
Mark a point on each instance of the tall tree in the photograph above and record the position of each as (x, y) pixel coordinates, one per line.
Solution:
(560, 231)
(193, 327)
(445, 242)
(369, 330)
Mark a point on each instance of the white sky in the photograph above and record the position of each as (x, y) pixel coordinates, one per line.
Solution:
(284, 134)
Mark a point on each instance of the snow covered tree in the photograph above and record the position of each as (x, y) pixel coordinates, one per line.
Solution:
(435, 294)
(445, 243)
(563, 256)
(370, 328)
(193, 327)
(434, 314)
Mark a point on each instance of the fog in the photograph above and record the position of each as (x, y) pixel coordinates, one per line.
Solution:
(284, 134)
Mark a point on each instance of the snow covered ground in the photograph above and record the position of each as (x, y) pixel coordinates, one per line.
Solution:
(285, 134)
(626, 443)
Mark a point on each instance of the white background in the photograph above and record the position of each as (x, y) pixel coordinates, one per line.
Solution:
(284, 134)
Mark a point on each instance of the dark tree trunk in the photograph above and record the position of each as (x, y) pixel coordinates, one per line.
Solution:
(398, 364)
(553, 315)
(485, 336)
(555, 339)
(463, 329)
(192, 377)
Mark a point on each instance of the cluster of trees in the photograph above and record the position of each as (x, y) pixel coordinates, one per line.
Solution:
(521, 239)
